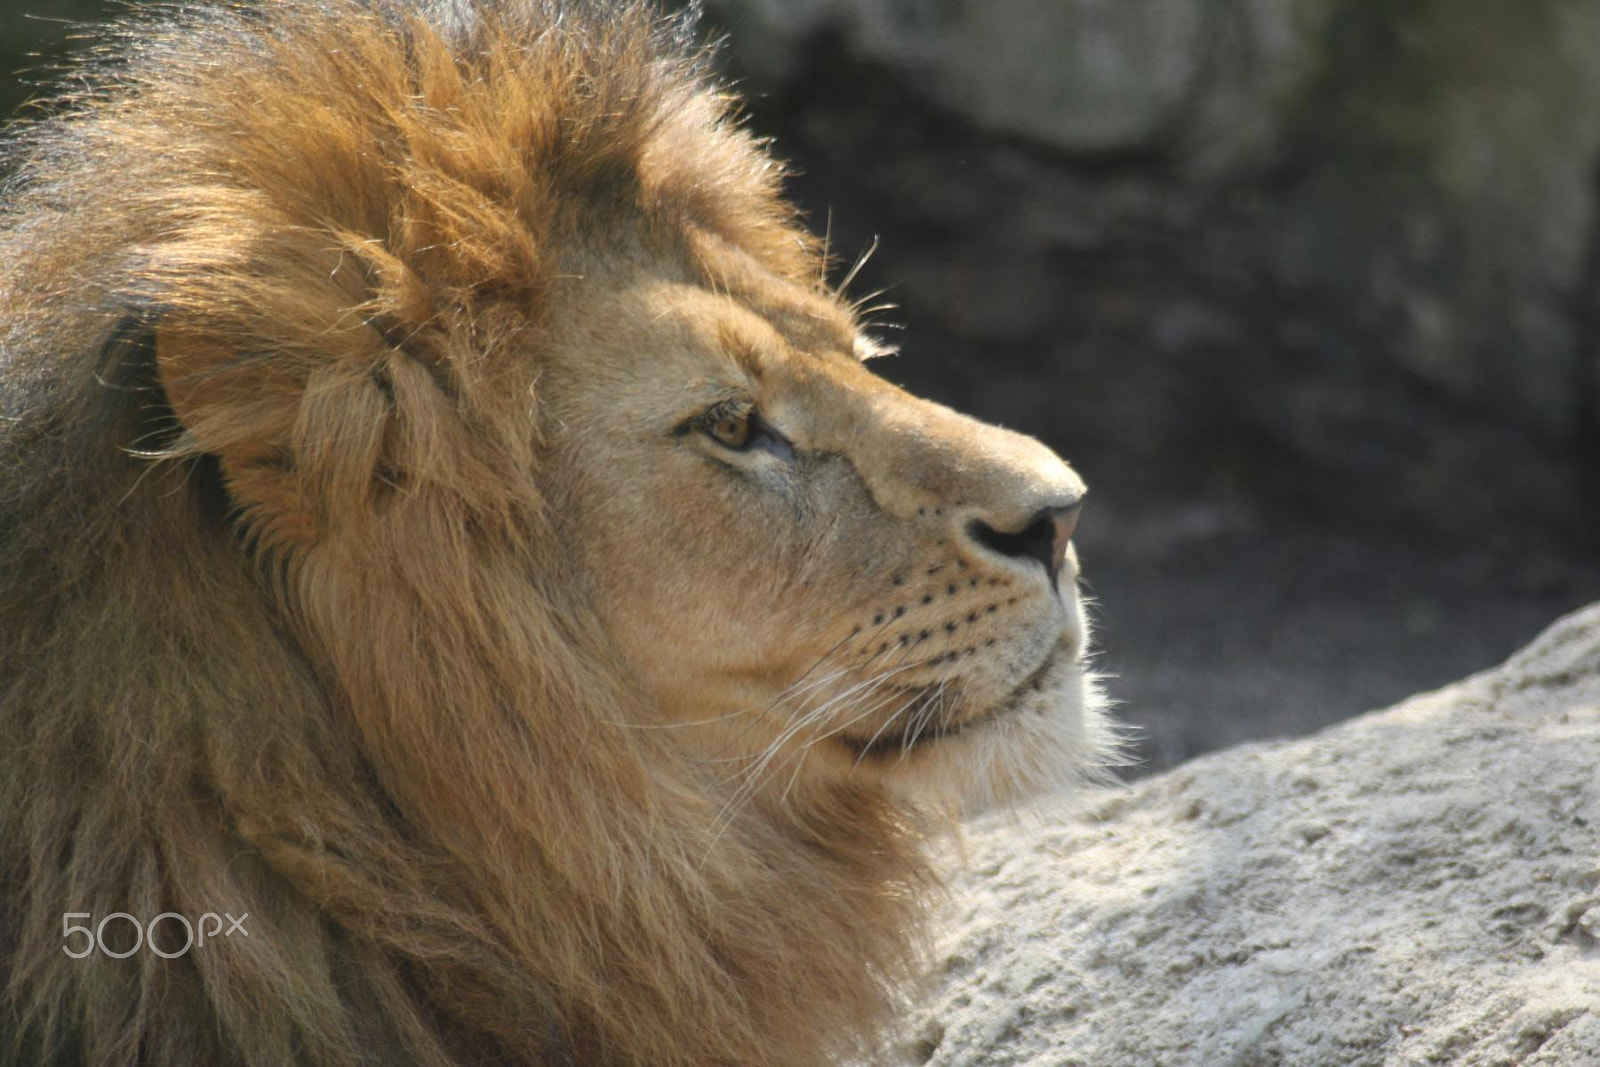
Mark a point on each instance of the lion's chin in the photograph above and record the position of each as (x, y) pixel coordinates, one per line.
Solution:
(1050, 734)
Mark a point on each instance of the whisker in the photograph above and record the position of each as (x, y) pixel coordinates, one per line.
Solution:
(788, 693)
(918, 722)
(886, 724)
(753, 775)
(791, 692)
(795, 689)
(798, 759)
(827, 248)
(855, 268)
(872, 703)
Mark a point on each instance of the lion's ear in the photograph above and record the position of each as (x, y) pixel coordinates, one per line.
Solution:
(133, 410)
(131, 407)
(332, 389)
(319, 432)
(254, 413)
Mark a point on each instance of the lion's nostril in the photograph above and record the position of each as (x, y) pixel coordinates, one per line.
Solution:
(1043, 538)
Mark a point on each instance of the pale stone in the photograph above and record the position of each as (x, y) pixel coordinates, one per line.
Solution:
(1418, 885)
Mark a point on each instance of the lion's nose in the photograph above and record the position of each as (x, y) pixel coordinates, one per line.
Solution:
(1044, 537)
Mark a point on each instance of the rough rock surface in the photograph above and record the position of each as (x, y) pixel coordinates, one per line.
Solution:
(1417, 886)
(1296, 249)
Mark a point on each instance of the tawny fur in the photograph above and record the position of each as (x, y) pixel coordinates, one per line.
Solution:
(293, 621)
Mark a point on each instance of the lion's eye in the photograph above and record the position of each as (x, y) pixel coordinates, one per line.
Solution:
(739, 427)
(731, 429)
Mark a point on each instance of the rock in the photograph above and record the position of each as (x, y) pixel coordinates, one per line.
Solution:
(1094, 76)
(1343, 252)
(1418, 885)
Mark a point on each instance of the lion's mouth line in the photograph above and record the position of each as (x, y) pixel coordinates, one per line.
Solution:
(888, 743)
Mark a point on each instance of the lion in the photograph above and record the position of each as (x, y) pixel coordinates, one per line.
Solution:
(450, 531)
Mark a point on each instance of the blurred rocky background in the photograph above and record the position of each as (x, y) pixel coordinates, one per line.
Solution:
(1309, 290)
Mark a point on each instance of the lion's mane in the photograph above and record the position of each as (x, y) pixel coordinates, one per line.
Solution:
(369, 711)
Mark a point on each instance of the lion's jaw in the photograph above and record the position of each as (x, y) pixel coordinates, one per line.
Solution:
(870, 590)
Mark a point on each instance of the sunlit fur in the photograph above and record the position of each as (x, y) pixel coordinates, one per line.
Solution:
(363, 568)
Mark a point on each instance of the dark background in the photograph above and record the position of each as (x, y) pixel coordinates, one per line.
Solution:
(1309, 290)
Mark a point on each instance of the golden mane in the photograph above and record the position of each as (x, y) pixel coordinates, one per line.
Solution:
(372, 715)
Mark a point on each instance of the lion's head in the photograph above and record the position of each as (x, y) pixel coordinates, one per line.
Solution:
(448, 517)
(819, 578)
